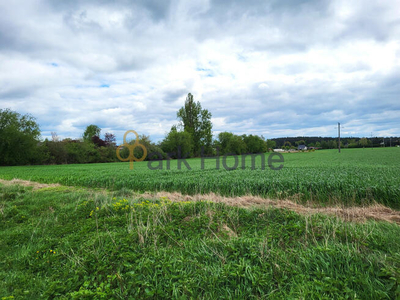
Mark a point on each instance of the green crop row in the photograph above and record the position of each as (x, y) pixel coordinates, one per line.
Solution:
(355, 176)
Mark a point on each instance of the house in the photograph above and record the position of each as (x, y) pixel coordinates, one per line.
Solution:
(302, 147)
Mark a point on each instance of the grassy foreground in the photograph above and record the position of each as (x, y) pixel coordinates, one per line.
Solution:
(76, 243)
(355, 176)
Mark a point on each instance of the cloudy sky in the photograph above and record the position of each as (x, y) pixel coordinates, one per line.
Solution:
(273, 68)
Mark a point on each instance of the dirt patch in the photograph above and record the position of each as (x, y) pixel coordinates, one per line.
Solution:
(358, 214)
(35, 185)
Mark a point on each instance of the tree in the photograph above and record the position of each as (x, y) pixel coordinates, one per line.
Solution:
(178, 140)
(363, 142)
(229, 143)
(154, 152)
(19, 136)
(287, 145)
(352, 143)
(254, 144)
(98, 141)
(57, 153)
(223, 141)
(236, 145)
(110, 139)
(332, 144)
(54, 136)
(271, 144)
(197, 122)
(80, 153)
(90, 132)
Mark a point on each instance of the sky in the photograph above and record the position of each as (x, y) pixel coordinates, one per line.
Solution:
(271, 68)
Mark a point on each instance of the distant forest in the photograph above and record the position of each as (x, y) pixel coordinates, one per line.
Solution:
(331, 142)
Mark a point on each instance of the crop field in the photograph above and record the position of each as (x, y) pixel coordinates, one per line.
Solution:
(87, 231)
(355, 176)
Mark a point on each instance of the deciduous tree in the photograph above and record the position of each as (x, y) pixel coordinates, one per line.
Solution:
(197, 122)
(90, 132)
(19, 138)
(178, 140)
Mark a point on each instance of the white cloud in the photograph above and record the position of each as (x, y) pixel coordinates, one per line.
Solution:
(275, 68)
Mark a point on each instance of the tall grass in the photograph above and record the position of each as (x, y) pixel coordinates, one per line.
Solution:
(64, 243)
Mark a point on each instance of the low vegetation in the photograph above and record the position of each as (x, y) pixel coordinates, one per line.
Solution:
(353, 177)
(78, 243)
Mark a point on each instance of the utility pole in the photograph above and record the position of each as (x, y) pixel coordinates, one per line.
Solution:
(339, 134)
(390, 141)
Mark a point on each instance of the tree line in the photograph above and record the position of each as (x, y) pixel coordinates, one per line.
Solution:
(332, 143)
(20, 142)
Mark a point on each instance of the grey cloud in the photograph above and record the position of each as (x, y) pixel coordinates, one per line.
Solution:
(16, 93)
(158, 10)
(172, 96)
(79, 22)
(151, 53)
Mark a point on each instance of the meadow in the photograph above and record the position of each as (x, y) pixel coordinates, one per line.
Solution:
(78, 243)
(97, 236)
(355, 176)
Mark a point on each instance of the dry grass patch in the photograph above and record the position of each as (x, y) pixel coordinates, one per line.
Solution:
(27, 183)
(376, 212)
(224, 228)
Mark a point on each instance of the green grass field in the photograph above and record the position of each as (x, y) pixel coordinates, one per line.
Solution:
(70, 243)
(97, 237)
(355, 176)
